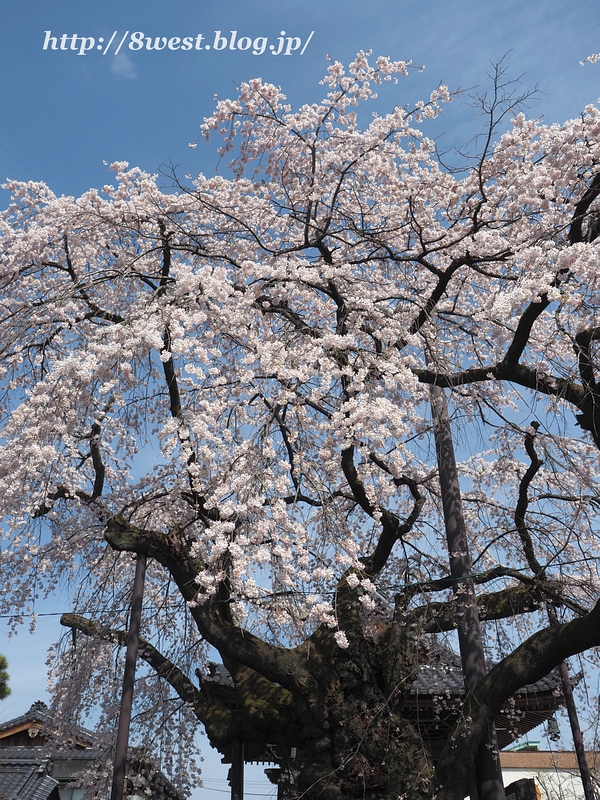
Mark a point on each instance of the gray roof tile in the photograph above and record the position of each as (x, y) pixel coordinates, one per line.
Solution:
(448, 680)
(25, 776)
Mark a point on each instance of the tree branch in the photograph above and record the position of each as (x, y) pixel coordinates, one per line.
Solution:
(275, 663)
(523, 503)
(441, 616)
(530, 662)
(163, 667)
(222, 724)
(393, 529)
(576, 229)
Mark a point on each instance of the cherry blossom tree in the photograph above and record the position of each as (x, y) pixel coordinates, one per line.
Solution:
(234, 378)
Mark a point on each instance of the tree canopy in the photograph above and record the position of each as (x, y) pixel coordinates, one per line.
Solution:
(234, 377)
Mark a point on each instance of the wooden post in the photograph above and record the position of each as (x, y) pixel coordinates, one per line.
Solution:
(133, 638)
(487, 766)
(237, 770)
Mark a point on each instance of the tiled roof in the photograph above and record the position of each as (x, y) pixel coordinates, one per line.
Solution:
(442, 679)
(25, 766)
(24, 775)
(449, 680)
(40, 713)
(37, 713)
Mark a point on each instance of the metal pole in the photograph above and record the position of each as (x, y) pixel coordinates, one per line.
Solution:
(584, 770)
(487, 766)
(133, 638)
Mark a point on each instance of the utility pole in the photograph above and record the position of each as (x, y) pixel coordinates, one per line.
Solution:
(487, 766)
(133, 638)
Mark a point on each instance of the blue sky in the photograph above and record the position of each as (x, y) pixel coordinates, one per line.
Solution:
(64, 114)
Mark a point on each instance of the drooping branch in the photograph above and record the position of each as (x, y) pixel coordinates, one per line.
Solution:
(163, 667)
(264, 708)
(223, 724)
(275, 663)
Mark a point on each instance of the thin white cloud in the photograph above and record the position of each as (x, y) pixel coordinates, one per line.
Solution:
(122, 67)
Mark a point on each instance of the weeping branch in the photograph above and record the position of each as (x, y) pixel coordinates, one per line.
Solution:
(276, 663)
(222, 724)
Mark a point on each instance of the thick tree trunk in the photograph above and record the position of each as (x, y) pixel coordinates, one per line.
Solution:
(365, 748)
(349, 736)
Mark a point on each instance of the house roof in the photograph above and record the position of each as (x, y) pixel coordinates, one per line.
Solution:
(437, 695)
(24, 774)
(28, 758)
(432, 705)
(445, 679)
(33, 723)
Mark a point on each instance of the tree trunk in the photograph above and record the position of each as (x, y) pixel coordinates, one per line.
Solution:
(369, 751)
(351, 737)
